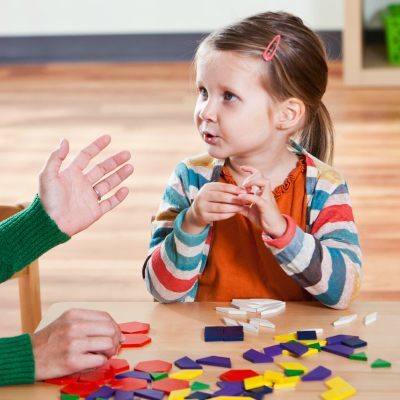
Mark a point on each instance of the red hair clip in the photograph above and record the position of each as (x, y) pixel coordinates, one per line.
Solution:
(271, 49)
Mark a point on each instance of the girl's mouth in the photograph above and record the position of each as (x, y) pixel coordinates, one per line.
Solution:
(210, 138)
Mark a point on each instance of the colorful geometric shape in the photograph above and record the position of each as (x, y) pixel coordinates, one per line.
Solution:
(134, 327)
(359, 356)
(317, 374)
(216, 361)
(168, 385)
(135, 340)
(338, 349)
(153, 366)
(306, 335)
(150, 394)
(187, 363)
(186, 374)
(237, 375)
(257, 357)
(128, 384)
(379, 363)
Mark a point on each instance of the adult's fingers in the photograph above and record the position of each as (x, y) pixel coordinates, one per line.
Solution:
(91, 360)
(56, 158)
(108, 204)
(108, 165)
(112, 181)
(82, 160)
(99, 344)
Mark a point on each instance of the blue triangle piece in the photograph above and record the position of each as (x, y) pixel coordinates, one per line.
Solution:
(150, 394)
(338, 349)
(257, 357)
(337, 339)
(123, 395)
(216, 361)
(274, 350)
(134, 374)
(187, 363)
(317, 374)
(199, 395)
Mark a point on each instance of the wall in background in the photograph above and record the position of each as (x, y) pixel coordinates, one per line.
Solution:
(372, 11)
(77, 17)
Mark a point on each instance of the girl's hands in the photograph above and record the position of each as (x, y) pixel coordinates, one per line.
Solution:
(261, 209)
(215, 201)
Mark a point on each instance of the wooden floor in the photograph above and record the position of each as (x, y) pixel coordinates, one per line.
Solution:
(147, 108)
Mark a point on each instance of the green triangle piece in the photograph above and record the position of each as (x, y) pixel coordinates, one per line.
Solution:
(379, 363)
(359, 356)
(293, 372)
(156, 376)
(314, 346)
(199, 386)
(65, 396)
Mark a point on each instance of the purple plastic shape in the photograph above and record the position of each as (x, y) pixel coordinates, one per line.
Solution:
(306, 335)
(257, 357)
(273, 351)
(150, 394)
(338, 349)
(123, 395)
(355, 342)
(187, 363)
(317, 374)
(104, 392)
(337, 339)
(233, 333)
(134, 374)
(295, 347)
(216, 361)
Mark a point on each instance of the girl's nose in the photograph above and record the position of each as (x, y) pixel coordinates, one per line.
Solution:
(207, 112)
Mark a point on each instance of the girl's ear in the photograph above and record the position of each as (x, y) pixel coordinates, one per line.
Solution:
(291, 113)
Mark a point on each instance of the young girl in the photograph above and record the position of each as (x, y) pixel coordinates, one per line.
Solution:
(259, 215)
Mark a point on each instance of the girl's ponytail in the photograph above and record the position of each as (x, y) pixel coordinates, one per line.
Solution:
(317, 135)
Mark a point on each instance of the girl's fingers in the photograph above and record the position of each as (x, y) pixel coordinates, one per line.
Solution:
(250, 169)
(224, 188)
(263, 184)
(250, 199)
(222, 198)
(217, 208)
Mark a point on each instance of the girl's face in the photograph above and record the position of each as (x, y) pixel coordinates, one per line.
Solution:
(234, 112)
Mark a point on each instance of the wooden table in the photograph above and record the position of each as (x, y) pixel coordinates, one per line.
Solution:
(177, 330)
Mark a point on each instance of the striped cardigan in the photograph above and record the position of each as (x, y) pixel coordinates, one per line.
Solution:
(325, 260)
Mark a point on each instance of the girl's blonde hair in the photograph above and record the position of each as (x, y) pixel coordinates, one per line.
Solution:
(299, 69)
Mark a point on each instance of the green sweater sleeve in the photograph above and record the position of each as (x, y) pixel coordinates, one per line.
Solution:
(16, 360)
(25, 236)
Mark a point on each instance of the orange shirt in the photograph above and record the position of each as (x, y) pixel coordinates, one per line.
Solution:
(239, 264)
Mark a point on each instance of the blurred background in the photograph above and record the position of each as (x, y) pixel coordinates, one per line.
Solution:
(78, 69)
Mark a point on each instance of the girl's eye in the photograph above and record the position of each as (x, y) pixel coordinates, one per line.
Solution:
(203, 92)
(228, 96)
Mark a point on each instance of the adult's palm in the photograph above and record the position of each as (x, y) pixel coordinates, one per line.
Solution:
(69, 195)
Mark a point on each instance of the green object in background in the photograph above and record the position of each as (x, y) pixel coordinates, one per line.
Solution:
(379, 363)
(65, 396)
(199, 386)
(391, 19)
(157, 376)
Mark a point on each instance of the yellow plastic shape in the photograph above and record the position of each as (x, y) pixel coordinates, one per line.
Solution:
(272, 376)
(254, 382)
(293, 365)
(186, 374)
(287, 383)
(179, 394)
